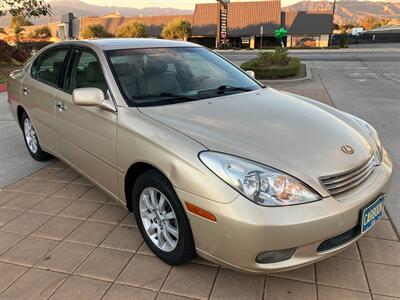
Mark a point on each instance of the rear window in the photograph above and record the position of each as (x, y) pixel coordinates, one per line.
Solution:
(48, 68)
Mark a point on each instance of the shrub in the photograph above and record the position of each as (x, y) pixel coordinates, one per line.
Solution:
(41, 33)
(279, 58)
(272, 65)
(6, 53)
(133, 29)
(222, 46)
(275, 72)
(12, 55)
(33, 45)
(20, 55)
(95, 31)
(344, 41)
(177, 29)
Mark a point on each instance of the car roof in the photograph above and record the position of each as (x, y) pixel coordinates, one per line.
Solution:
(133, 43)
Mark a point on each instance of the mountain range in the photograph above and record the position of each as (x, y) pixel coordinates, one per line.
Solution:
(347, 11)
(350, 11)
(82, 9)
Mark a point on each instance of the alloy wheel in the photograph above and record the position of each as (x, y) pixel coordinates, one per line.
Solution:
(159, 219)
(30, 135)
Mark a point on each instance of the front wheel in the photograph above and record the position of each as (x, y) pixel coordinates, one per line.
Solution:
(31, 140)
(161, 219)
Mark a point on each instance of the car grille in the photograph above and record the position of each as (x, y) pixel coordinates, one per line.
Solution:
(339, 239)
(339, 183)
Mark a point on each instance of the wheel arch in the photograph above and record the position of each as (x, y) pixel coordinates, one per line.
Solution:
(132, 174)
(20, 112)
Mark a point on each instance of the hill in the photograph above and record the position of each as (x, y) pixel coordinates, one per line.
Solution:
(81, 9)
(350, 11)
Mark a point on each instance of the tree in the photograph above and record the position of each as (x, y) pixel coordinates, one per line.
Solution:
(18, 32)
(26, 8)
(41, 33)
(19, 21)
(384, 21)
(335, 26)
(133, 29)
(95, 31)
(177, 29)
(370, 22)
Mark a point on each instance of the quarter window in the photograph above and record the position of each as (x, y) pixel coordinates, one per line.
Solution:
(49, 67)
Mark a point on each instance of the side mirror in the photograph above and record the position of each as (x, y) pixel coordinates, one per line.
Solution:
(88, 96)
(91, 97)
(251, 74)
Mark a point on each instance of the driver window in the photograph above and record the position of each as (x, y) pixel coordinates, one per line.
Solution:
(87, 72)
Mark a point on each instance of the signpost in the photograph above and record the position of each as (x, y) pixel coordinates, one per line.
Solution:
(224, 25)
(261, 39)
(333, 22)
(223, 21)
(279, 34)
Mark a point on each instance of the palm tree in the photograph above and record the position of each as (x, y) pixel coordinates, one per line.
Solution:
(18, 33)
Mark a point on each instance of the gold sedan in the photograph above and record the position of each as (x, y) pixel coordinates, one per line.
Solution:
(209, 160)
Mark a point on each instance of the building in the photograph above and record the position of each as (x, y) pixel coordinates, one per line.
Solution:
(307, 29)
(248, 25)
(384, 34)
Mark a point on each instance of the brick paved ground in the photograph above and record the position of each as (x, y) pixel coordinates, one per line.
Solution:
(62, 238)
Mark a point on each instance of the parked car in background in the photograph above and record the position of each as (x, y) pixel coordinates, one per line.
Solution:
(209, 160)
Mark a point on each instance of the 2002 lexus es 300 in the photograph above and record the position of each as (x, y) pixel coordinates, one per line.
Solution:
(209, 160)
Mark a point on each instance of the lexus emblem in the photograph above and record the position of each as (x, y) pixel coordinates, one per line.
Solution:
(347, 149)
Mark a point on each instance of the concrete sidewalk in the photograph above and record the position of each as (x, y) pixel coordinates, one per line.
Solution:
(15, 161)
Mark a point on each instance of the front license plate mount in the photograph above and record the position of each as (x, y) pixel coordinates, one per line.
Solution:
(372, 214)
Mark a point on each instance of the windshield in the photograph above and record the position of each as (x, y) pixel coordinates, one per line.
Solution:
(160, 76)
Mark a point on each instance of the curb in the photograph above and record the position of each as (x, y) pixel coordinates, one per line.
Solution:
(3, 87)
(308, 76)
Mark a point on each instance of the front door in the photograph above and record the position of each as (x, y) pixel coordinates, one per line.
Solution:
(87, 134)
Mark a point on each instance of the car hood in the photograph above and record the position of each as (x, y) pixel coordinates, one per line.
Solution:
(273, 128)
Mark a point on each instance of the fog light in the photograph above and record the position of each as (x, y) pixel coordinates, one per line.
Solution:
(275, 256)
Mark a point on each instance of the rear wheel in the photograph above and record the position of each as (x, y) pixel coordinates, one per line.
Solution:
(161, 219)
(31, 140)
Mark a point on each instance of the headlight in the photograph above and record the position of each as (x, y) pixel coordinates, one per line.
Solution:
(261, 184)
(377, 146)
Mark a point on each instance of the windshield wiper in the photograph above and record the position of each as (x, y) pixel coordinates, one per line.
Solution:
(172, 97)
(226, 88)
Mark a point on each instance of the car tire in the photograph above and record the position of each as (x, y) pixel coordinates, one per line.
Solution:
(156, 219)
(31, 139)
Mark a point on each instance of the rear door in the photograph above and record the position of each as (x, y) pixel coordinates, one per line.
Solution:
(39, 90)
(87, 134)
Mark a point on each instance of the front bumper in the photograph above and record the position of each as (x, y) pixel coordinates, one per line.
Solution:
(243, 229)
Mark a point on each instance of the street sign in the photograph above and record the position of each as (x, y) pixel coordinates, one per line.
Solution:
(280, 33)
(262, 30)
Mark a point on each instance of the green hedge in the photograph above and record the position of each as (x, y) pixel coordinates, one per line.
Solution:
(274, 71)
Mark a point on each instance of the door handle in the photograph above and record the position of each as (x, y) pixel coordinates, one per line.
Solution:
(26, 91)
(61, 107)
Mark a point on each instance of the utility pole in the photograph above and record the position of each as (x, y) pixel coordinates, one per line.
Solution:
(333, 22)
